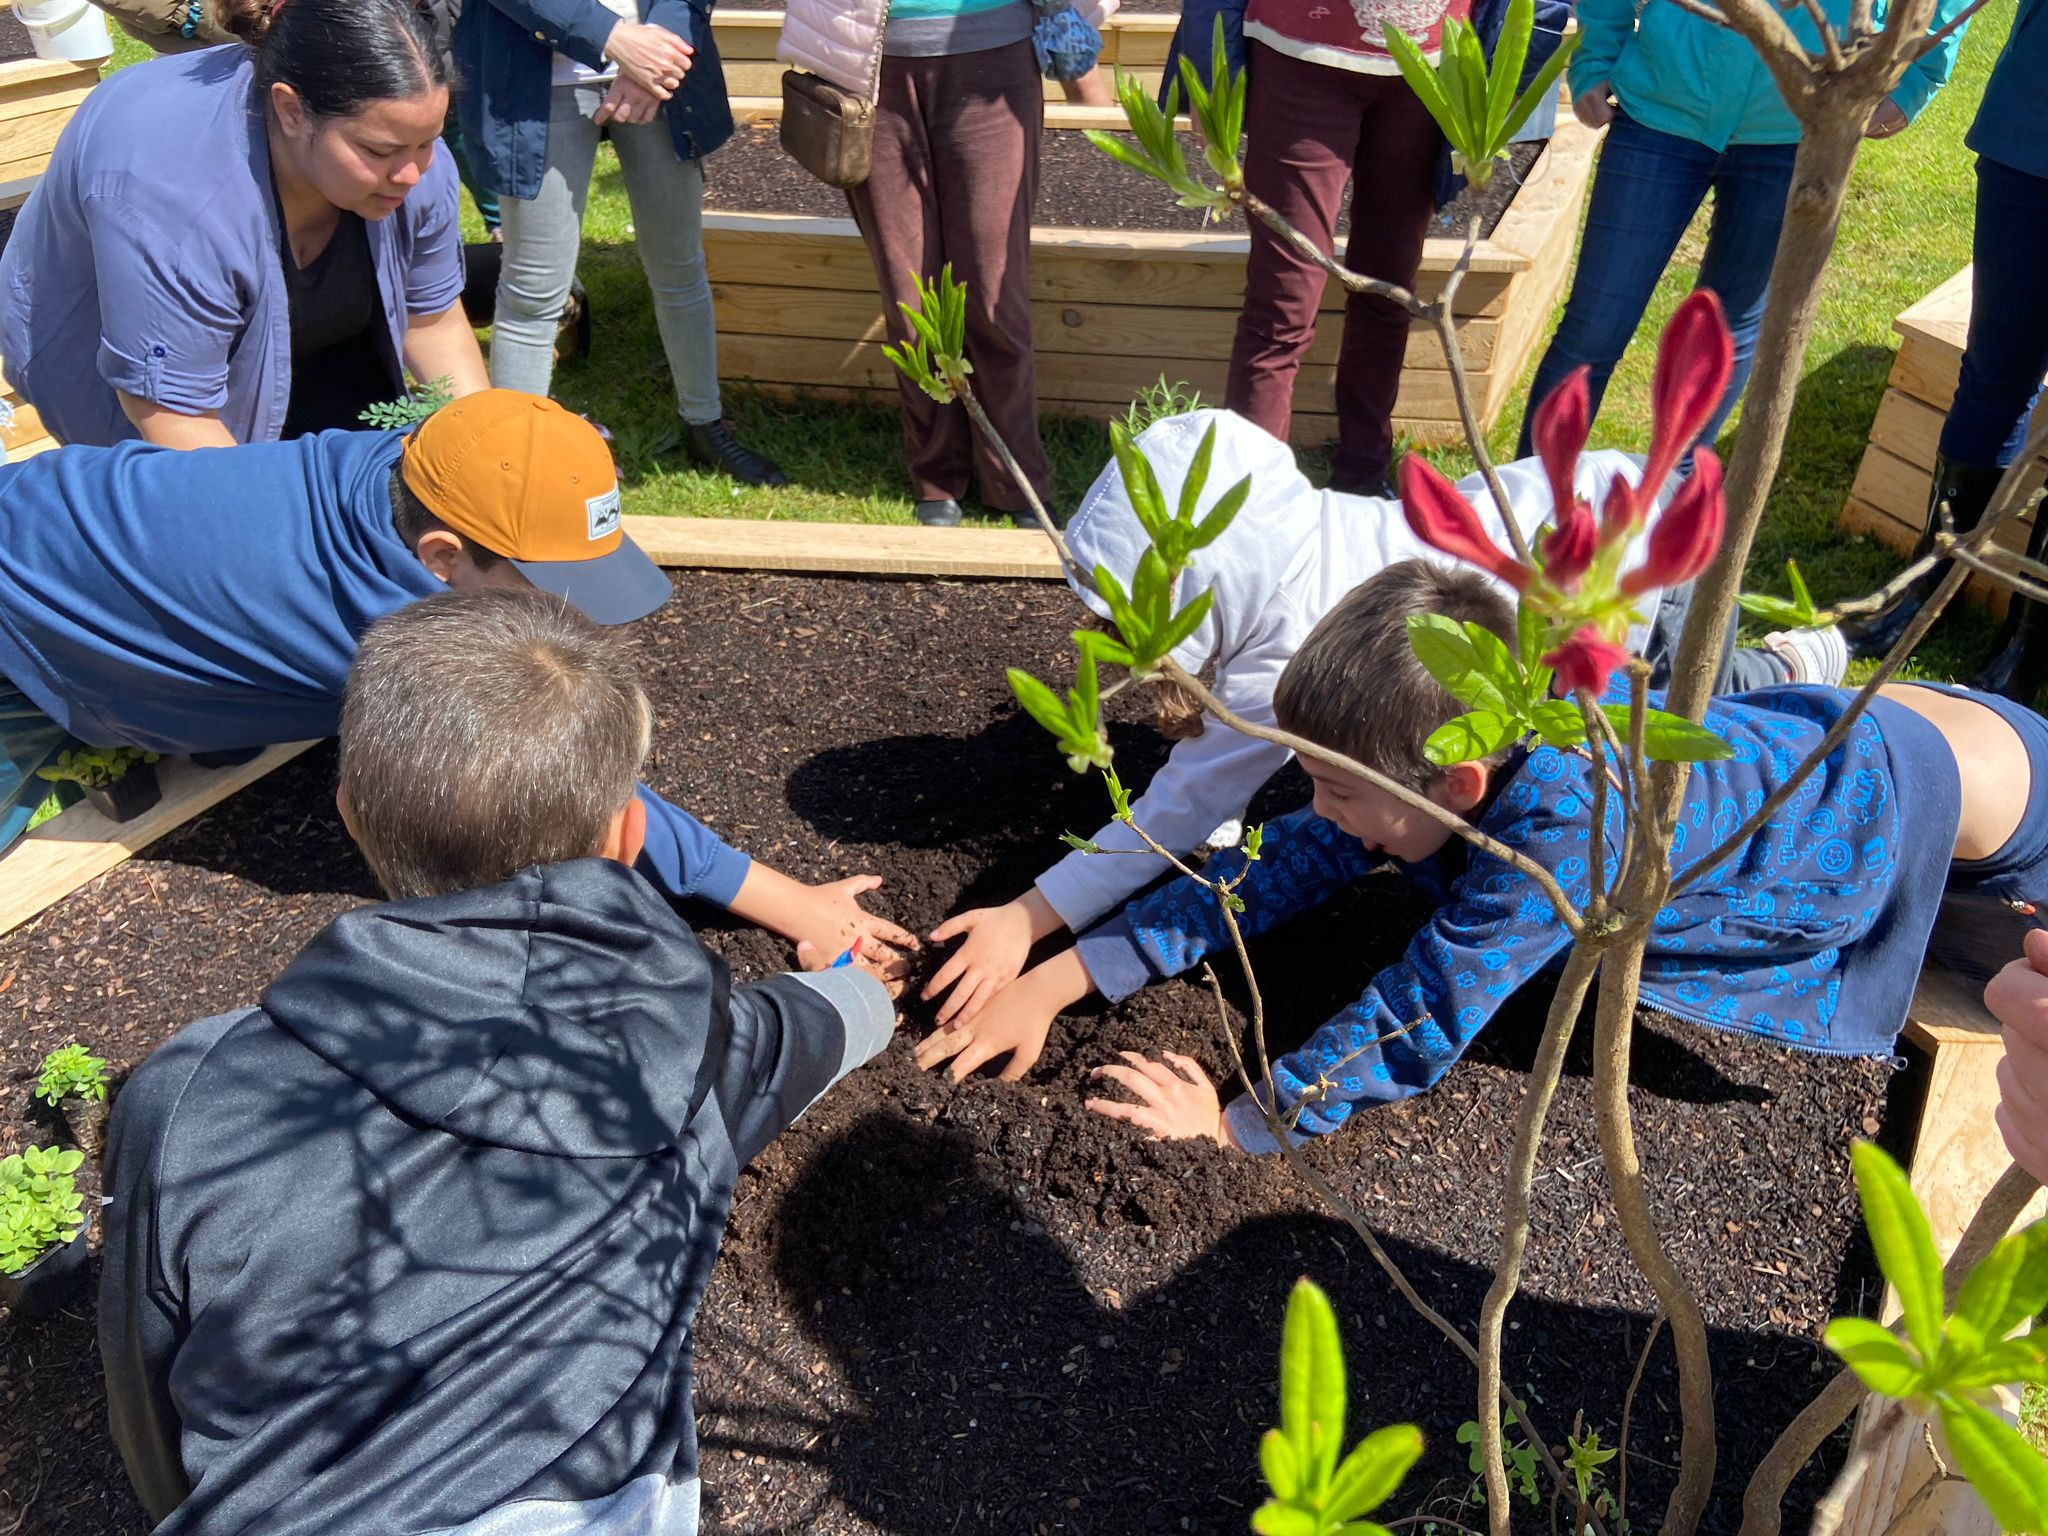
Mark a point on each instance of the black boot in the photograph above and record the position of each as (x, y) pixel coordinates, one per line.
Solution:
(712, 445)
(1966, 488)
(2019, 665)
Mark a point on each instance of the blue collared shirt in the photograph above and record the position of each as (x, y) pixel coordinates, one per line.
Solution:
(148, 259)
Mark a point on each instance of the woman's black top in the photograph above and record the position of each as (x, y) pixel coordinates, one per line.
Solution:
(341, 347)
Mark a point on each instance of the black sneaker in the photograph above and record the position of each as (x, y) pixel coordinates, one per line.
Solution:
(713, 446)
(941, 512)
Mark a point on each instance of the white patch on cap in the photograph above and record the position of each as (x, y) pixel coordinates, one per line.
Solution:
(604, 514)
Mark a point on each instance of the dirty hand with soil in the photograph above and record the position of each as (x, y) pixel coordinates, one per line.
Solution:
(996, 941)
(1014, 1022)
(828, 917)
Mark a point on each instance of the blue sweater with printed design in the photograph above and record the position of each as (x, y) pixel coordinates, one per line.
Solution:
(1810, 935)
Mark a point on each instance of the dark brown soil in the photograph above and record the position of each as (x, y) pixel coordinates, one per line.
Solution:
(982, 1309)
(1079, 186)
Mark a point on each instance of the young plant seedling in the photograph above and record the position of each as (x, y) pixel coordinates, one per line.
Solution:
(95, 767)
(72, 1072)
(410, 408)
(40, 1207)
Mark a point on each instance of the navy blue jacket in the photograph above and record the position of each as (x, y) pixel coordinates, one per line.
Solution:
(2012, 123)
(416, 1245)
(505, 53)
(1811, 935)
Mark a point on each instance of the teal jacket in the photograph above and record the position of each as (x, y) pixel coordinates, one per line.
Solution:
(1679, 74)
(2012, 124)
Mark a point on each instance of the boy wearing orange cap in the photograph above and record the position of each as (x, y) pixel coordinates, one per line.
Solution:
(211, 602)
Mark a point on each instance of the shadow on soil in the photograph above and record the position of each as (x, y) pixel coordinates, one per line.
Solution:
(998, 1389)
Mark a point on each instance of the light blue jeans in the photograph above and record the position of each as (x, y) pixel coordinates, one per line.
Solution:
(543, 234)
(28, 739)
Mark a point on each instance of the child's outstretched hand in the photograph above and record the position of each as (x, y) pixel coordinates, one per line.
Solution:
(1015, 1022)
(998, 940)
(871, 958)
(1177, 1100)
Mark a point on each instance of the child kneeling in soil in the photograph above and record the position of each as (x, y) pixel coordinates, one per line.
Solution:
(1811, 934)
(416, 1242)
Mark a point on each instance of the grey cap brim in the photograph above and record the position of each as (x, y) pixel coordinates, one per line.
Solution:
(612, 589)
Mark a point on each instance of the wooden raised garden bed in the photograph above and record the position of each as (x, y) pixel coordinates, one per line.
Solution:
(1889, 498)
(1114, 309)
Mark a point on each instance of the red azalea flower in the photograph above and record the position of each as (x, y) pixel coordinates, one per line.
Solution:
(1559, 432)
(1585, 661)
(1569, 546)
(1686, 536)
(1621, 514)
(1444, 520)
(1695, 356)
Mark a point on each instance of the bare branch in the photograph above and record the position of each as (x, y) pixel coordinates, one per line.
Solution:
(989, 435)
(1762, 1514)
(1300, 745)
(1831, 45)
(1953, 25)
(2018, 584)
(1439, 314)
(1353, 282)
(1563, 1018)
(1596, 740)
(1834, 1504)
(1628, 1409)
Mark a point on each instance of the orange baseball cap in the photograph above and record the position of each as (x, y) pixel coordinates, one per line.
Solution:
(534, 482)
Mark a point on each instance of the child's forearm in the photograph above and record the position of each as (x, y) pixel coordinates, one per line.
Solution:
(1060, 982)
(1045, 922)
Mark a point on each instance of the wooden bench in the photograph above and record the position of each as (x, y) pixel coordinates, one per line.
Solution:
(1889, 498)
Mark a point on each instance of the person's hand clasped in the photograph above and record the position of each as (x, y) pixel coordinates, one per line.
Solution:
(1176, 1100)
(2018, 998)
(996, 943)
(626, 102)
(1885, 120)
(653, 58)
(1594, 108)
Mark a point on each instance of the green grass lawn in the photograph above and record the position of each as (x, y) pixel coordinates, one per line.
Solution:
(1907, 227)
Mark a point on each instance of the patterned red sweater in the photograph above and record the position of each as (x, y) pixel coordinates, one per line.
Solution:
(1345, 34)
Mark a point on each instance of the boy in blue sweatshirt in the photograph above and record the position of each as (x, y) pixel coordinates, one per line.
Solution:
(1811, 934)
(210, 602)
(416, 1242)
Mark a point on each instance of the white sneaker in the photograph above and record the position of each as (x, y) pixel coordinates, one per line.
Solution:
(1812, 655)
(1226, 836)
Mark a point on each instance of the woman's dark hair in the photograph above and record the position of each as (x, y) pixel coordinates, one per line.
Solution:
(339, 55)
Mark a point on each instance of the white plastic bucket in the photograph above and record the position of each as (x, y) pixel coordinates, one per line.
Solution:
(65, 29)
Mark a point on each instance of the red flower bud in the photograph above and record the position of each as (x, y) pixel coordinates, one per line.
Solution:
(1695, 356)
(1444, 520)
(1569, 546)
(1620, 515)
(1585, 661)
(1686, 536)
(1559, 432)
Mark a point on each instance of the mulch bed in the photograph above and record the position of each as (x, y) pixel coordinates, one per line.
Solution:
(1079, 186)
(980, 1308)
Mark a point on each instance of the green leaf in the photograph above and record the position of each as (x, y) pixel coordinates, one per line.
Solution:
(1119, 797)
(1447, 654)
(1271, 1519)
(1669, 738)
(1771, 609)
(1498, 663)
(1903, 1241)
(1141, 485)
(1879, 1360)
(2008, 1286)
(1312, 1383)
(2007, 1363)
(1542, 87)
(1282, 1468)
(1368, 1477)
(1197, 477)
(1079, 844)
(2008, 1473)
(1039, 701)
(1510, 50)
(1254, 840)
(1181, 625)
(1105, 648)
(1219, 517)
(1559, 723)
(1421, 79)
(1800, 595)
(1463, 49)
(1469, 737)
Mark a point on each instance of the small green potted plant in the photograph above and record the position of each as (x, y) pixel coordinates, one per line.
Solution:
(42, 1259)
(74, 1082)
(119, 781)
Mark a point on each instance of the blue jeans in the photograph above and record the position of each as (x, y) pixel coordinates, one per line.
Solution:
(1648, 188)
(28, 739)
(2008, 347)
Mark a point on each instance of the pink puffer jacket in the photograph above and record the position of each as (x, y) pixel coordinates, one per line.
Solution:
(841, 40)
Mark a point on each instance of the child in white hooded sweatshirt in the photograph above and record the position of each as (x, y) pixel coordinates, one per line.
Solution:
(1283, 563)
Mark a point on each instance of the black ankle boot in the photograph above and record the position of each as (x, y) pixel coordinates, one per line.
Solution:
(712, 445)
(2019, 665)
(1966, 488)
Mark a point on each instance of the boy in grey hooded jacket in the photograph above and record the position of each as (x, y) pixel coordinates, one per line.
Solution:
(416, 1243)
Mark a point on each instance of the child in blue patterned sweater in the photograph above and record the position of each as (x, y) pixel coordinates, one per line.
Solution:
(1810, 934)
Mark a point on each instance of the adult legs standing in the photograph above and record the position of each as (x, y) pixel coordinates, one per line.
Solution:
(543, 235)
(955, 180)
(1751, 183)
(1647, 188)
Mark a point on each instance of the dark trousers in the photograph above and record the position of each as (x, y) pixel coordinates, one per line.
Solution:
(1649, 186)
(955, 180)
(2008, 347)
(1309, 129)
